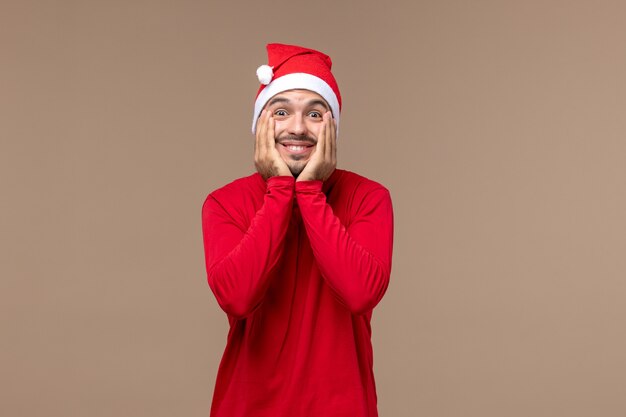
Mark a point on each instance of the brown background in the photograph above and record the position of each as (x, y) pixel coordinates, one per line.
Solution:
(499, 128)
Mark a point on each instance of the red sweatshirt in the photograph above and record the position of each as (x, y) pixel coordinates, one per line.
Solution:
(298, 268)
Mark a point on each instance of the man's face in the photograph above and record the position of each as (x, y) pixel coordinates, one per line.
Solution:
(298, 123)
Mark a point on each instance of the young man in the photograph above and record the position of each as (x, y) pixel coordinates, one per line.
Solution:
(297, 255)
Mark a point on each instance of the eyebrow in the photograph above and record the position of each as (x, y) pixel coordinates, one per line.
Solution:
(318, 102)
(310, 103)
(277, 100)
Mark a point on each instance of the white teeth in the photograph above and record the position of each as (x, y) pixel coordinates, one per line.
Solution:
(295, 148)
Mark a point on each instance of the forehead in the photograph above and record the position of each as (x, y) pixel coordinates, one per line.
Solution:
(297, 97)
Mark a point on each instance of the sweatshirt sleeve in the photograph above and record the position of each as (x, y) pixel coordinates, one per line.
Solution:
(355, 260)
(238, 259)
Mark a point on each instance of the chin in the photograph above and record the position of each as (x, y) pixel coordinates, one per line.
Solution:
(296, 169)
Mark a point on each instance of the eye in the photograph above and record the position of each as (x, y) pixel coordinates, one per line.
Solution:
(315, 114)
(280, 112)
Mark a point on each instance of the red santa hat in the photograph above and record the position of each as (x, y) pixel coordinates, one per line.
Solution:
(293, 67)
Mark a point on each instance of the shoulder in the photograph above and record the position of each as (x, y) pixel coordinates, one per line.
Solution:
(351, 182)
(251, 183)
(251, 187)
(352, 196)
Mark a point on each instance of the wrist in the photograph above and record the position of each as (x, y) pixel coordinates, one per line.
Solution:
(280, 181)
(283, 172)
(308, 186)
(315, 176)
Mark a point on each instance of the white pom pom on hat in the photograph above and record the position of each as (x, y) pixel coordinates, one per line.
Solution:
(264, 73)
(293, 67)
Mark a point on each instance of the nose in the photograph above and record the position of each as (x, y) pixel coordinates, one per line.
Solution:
(297, 125)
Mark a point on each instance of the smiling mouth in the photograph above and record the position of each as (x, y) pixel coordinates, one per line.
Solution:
(296, 148)
(297, 151)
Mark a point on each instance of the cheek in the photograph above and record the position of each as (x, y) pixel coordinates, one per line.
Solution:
(315, 129)
(279, 128)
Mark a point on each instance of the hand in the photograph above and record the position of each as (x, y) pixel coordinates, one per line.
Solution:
(324, 159)
(267, 160)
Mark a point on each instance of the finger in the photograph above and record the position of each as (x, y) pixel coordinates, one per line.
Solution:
(320, 149)
(268, 139)
(259, 122)
(333, 141)
(259, 128)
(263, 140)
(260, 139)
(271, 140)
(257, 151)
(329, 139)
